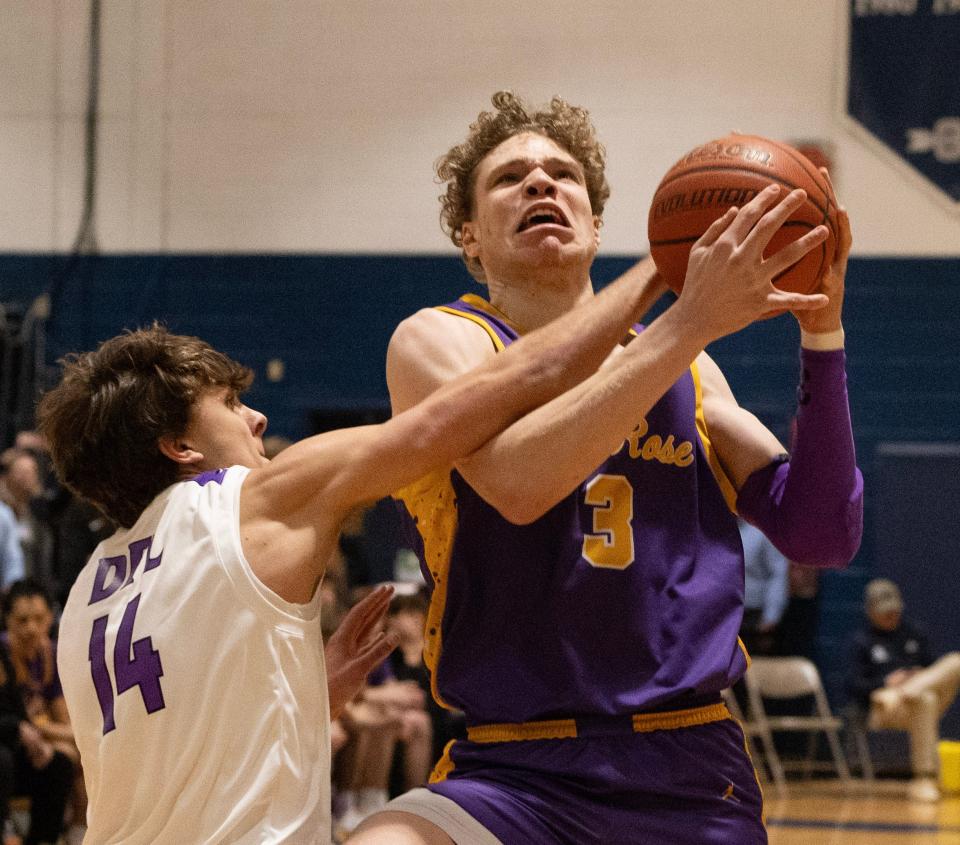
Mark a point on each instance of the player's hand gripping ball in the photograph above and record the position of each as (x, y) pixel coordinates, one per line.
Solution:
(729, 171)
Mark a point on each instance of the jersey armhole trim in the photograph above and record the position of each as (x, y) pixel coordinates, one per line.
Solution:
(726, 486)
(494, 337)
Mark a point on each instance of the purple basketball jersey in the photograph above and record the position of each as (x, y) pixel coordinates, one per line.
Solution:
(626, 596)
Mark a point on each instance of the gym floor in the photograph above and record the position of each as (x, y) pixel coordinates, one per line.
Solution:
(824, 812)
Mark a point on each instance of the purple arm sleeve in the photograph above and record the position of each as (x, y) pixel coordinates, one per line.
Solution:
(811, 505)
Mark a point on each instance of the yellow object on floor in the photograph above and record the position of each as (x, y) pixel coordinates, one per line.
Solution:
(949, 765)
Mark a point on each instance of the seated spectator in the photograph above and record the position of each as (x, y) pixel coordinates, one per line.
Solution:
(29, 764)
(31, 652)
(898, 683)
(407, 618)
(372, 725)
(387, 718)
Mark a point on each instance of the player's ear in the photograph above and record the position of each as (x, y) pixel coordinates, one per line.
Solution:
(179, 451)
(468, 237)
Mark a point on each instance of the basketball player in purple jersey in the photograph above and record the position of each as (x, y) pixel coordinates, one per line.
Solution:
(190, 648)
(585, 564)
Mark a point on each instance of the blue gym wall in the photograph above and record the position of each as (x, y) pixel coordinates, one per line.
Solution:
(329, 317)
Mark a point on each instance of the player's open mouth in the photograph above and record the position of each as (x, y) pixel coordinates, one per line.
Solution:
(543, 215)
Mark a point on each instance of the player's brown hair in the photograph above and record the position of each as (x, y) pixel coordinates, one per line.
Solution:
(568, 126)
(105, 418)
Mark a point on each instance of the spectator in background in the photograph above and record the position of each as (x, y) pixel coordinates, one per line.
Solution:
(389, 727)
(766, 590)
(45, 730)
(29, 765)
(72, 527)
(20, 489)
(11, 555)
(797, 631)
(407, 619)
(900, 685)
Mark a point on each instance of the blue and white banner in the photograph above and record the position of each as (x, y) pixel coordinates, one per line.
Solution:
(903, 82)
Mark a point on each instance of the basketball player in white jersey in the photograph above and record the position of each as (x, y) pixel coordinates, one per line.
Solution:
(190, 645)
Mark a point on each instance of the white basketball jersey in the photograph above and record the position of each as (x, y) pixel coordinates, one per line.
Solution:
(198, 696)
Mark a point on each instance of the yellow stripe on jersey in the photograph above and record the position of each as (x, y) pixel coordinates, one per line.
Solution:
(497, 343)
(510, 732)
(691, 717)
(481, 304)
(726, 486)
(432, 504)
(567, 728)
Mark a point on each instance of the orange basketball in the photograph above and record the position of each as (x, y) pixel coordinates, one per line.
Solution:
(731, 171)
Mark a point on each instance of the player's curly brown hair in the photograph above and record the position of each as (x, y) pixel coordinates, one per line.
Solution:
(568, 126)
(105, 418)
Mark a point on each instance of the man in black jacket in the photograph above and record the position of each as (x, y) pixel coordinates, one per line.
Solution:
(900, 685)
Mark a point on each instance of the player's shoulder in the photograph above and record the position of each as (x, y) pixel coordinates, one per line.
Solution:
(435, 325)
(431, 347)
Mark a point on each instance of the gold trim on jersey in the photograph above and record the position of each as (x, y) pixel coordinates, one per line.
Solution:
(481, 304)
(567, 728)
(432, 505)
(726, 486)
(444, 766)
(491, 310)
(497, 342)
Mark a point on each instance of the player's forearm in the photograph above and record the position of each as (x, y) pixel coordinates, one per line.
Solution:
(464, 414)
(811, 507)
(542, 457)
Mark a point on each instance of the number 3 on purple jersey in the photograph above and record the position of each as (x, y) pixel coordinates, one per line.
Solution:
(142, 670)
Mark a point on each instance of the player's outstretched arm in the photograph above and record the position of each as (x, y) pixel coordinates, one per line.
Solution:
(810, 503)
(291, 509)
(532, 465)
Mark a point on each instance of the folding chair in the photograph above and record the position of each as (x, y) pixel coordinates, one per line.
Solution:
(781, 678)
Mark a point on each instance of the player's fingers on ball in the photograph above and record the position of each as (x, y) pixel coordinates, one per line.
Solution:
(794, 251)
(753, 211)
(773, 219)
(717, 228)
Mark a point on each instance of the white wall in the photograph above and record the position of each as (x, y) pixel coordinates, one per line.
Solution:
(312, 125)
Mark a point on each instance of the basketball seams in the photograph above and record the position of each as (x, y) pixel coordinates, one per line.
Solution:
(693, 239)
(731, 169)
